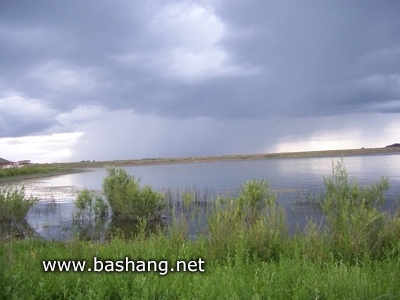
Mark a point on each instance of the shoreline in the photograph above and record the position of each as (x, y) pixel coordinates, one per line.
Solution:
(77, 167)
(215, 158)
(14, 179)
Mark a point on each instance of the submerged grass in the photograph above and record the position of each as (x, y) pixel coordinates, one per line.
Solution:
(247, 250)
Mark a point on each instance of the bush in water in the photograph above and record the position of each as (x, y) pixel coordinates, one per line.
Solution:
(14, 204)
(88, 204)
(356, 221)
(128, 200)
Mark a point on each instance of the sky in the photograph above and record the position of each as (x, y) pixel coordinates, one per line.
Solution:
(105, 80)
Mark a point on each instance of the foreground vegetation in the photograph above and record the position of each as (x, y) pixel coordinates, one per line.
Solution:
(232, 274)
(246, 247)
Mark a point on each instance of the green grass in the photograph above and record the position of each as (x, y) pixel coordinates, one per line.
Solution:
(247, 250)
(14, 204)
(26, 170)
(235, 274)
(33, 170)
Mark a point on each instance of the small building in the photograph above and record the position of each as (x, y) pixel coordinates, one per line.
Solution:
(5, 164)
(24, 162)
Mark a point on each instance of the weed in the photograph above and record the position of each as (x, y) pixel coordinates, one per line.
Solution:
(14, 204)
(253, 223)
(353, 212)
(128, 200)
(254, 197)
(87, 205)
(90, 216)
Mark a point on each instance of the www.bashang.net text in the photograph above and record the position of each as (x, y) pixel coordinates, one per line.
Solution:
(162, 267)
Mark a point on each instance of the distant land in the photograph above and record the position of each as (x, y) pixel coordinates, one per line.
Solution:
(146, 161)
(55, 169)
(394, 145)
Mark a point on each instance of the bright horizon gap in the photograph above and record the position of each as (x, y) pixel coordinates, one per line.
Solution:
(220, 155)
(167, 138)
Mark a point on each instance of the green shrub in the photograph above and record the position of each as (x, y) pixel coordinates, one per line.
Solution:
(353, 212)
(87, 205)
(128, 200)
(187, 198)
(90, 216)
(254, 197)
(252, 225)
(20, 229)
(14, 204)
(100, 207)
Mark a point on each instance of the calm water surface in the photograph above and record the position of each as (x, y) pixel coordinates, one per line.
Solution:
(290, 177)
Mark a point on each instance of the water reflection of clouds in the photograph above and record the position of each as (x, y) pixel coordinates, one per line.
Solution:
(59, 193)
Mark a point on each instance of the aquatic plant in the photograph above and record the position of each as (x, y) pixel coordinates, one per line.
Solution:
(90, 216)
(14, 204)
(19, 229)
(254, 197)
(87, 205)
(128, 200)
(353, 212)
(253, 223)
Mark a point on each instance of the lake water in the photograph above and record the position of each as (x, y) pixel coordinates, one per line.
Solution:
(291, 178)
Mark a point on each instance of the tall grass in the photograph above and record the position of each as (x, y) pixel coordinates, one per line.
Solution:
(14, 204)
(90, 216)
(254, 220)
(28, 170)
(235, 273)
(89, 206)
(354, 215)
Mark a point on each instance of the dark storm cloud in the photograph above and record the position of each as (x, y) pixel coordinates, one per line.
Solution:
(224, 60)
(11, 127)
(42, 42)
(317, 52)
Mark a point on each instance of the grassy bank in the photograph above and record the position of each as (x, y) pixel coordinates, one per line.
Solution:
(232, 274)
(246, 248)
(34, 171)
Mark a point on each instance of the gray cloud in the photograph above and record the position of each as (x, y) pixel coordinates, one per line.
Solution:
(233, 62)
